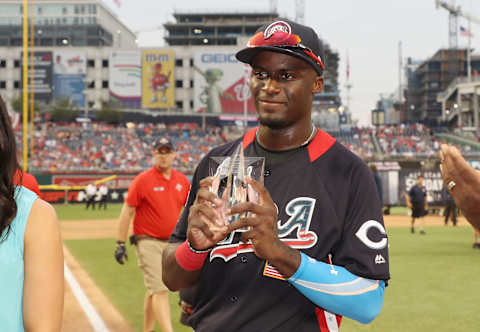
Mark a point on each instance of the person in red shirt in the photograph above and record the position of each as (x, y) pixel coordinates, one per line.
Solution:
(154, 202)
(27, 180)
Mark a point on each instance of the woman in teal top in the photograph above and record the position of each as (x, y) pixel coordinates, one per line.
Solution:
(31, 256)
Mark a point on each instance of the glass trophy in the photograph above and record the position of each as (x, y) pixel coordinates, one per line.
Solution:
(229, 183)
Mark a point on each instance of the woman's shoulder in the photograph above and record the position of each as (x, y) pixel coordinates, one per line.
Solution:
(42, 220)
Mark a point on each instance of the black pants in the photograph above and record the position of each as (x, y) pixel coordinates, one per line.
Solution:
(91, 201)
(451, 208)
(103, 202)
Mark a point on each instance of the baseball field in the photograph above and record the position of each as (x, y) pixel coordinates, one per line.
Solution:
(434, 287)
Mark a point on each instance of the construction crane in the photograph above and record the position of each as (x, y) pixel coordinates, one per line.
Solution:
(300, 11)
(454, 13)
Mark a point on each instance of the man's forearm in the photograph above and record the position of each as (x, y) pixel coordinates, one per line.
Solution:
(124, 222)
(174, 277)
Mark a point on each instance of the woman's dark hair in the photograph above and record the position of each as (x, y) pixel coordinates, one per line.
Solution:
(8, 167)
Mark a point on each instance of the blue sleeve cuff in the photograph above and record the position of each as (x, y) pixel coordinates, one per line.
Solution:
(335, 289)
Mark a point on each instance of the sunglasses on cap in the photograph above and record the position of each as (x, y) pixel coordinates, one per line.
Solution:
(285, 40)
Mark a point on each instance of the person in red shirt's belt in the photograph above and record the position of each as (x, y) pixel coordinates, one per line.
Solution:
(27, 180)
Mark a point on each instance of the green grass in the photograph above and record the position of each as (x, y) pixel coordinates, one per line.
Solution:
(399, 210)
(122, 284)
(434, 287)
(435, 283)
(78, 212)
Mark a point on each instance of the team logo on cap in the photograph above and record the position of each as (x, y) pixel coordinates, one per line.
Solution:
(163, 141)
(276, 26)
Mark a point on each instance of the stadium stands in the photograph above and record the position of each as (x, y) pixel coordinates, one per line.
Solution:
(105, 147)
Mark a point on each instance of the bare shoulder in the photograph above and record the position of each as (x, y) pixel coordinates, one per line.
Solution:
(43, 218)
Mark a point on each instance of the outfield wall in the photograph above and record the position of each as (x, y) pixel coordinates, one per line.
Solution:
(397, 179)
(118, 187)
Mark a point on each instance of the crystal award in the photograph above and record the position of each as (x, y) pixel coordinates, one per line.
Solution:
(229, 183)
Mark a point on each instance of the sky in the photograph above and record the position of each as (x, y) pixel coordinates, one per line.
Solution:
(369, 31)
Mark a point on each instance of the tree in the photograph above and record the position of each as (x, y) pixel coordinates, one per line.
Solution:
(17, 105)
(62, 110)
(109, 113)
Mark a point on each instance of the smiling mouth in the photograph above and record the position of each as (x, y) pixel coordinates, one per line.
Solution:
(273, 102)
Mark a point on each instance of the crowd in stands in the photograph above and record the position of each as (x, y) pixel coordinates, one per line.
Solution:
(97, 146)
(104, 147)
(407, 140)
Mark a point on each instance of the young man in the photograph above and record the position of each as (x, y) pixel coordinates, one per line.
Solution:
(314, 245)
(154, 201)
(417, 201)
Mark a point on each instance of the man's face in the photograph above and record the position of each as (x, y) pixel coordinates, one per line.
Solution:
(164, 157)
(420, 181)
(283, 87)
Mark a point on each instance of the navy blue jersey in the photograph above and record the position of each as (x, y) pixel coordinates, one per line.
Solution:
(417, 194)
(327, 205)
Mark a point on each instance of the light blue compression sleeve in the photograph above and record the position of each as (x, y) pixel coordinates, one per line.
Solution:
(335, 289)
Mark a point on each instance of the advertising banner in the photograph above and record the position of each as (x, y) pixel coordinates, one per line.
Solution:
(220, 83)
(69, 70)
(432, 182)
(158, 79)
(41, 77)
(70, 63)
(125, 78)
(79, 196)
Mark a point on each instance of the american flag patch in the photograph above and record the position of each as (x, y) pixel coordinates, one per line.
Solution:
(272, 272)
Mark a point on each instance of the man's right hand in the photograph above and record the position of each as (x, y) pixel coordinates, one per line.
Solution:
(206, 226)
(464, 181)
(121, 252)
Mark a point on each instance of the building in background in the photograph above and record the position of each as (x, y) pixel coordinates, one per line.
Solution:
(78, 35)
(211, 80)
(431, 77)
(94, 58)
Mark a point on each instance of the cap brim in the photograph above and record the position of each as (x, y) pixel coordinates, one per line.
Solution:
(247, 54)
(167, 145)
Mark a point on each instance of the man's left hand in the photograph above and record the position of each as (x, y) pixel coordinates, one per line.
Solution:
(121, 252)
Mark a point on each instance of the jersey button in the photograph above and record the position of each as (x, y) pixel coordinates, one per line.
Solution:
(243, 259)
(234, 299)
(267, 172)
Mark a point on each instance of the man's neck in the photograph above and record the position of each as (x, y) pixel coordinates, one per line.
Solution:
(285, 139)
(166, 172)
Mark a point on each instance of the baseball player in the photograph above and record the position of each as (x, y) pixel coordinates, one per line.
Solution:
(314, 247)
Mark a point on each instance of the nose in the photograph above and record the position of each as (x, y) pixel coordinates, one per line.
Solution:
(271, 86)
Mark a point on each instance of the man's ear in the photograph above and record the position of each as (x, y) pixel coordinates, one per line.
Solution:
(317, 85)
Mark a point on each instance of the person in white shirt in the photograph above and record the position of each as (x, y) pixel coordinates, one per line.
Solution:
(103, 191)
(91, 191)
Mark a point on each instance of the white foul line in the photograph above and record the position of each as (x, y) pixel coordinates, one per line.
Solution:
(93, 317)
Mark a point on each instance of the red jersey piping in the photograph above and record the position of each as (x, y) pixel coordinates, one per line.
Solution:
(321, 143)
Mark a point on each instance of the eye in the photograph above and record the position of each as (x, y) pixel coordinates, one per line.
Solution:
(287, 76)
(260, 75)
